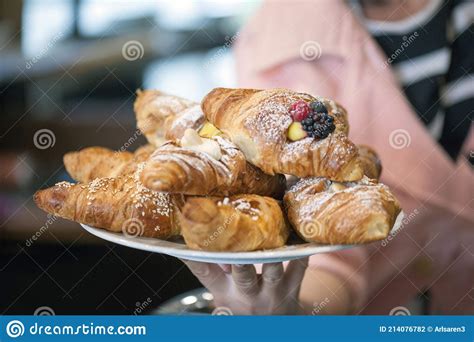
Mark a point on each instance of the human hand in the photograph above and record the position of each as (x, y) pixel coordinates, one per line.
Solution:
(244, 292)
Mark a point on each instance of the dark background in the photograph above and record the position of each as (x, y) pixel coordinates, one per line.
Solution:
(62, 68)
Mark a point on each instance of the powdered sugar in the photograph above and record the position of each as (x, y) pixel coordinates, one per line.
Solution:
(244, 206)
(311, 198)
(273, 118)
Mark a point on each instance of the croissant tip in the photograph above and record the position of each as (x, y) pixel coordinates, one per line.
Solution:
(36, 197)
(159, 185)
(155, 183)
(206, 213)
(51, 199)
(69, 157)
(41, 200)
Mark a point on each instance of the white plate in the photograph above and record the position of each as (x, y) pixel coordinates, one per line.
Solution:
(180, 250)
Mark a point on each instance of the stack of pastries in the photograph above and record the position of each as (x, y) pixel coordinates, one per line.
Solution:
(216, 174)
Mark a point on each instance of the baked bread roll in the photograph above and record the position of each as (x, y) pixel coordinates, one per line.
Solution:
(258, 122)
(98, 162)
(120, 204)
(236, 224)
(162, 117)
(207, 167)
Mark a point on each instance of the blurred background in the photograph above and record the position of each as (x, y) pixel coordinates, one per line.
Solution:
(69, 70)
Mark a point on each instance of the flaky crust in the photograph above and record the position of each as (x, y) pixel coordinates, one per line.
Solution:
(341, 213)
(119, 204)
(162, 117)
(257, 122)
(177, 169)
(235, 224)
(370, 162)
(98, 162)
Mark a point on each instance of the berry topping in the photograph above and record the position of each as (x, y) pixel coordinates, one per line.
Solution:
(296, 132)
(300, 110)
(319, 125)
(318, 107)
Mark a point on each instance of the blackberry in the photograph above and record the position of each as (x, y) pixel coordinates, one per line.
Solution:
(318, 107)
(319, 125)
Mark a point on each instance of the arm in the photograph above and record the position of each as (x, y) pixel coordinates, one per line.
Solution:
(323, 293)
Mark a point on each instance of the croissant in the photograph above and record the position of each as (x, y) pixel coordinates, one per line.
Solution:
(162, 117)
(98, 162)
(325, 211)
(370, 162)
(257, 121)
(236, 224)
(120, 204)
(210, 167)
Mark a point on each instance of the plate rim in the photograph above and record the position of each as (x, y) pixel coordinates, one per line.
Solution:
(261, 256)
(139, 243)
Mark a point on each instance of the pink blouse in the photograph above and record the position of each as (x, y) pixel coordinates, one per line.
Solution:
(319, 47)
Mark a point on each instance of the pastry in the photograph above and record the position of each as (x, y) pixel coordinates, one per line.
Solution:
(98, 162)
(281, 131)
(207, 166)
(236, 224)
(162, 117)
(233, 149)
(370, 162)
(120, 204)
(331, 212)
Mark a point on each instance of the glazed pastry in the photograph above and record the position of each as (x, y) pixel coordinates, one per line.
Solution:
(236, 224)
(119, 204)
(341, 213)
(162, 117)
(98, 162)
(281, 131)
(207, 166)
(325, 211)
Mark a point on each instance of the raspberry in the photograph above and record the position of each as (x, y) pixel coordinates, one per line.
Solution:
(319, 125)
(300, 110)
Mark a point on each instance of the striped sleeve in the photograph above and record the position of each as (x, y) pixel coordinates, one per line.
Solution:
(458, 92)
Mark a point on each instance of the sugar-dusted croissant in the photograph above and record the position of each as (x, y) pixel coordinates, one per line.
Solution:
(325, 211)
(162, 117)
(236, 224)
(207, 167)
(98, 162)
(258, 122)
(120, 204)
(341, 213)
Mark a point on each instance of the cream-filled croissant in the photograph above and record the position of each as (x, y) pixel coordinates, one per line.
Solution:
(324, 211)
(207, 166)
(235, 224)
(162, 117)
(120, 204)
(282, 131)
